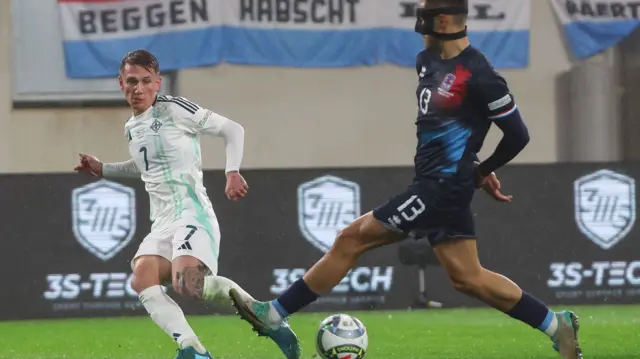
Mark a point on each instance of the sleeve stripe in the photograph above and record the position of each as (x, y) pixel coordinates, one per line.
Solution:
(189, 106)
(505, 113)
(189, 109)
(182, 102)
(187, 102)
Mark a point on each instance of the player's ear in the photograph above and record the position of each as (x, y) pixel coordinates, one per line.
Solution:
(158, 83)
(121, 82)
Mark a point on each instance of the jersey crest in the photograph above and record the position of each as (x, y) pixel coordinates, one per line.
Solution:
(104, 217)
(448, 81)
(605, 206)
(326, 205)
(155, 126)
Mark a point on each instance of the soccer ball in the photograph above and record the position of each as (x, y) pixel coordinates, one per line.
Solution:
(341, 336)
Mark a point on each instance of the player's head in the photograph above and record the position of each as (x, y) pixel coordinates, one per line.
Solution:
(140, 79)
(441, 20)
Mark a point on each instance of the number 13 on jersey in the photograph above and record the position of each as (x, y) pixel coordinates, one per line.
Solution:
(425, 98)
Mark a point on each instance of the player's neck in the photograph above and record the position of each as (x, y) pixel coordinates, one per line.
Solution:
(139, 111)
(453, 48)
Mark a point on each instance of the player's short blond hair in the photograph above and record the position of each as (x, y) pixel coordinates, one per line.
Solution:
(141, 58)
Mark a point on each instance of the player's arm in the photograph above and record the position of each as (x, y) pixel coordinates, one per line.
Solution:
(231, 132)
(501, 109)
(207, 122)
(126, 169)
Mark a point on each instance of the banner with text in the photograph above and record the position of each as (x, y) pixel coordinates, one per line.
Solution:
(293, 33)
(569, 237)
(592, 26)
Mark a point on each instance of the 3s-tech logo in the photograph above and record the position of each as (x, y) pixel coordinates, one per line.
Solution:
(104, 217)
(100, 285)
(326, 205)
(357, 280)
(598, 274)
(605, 206)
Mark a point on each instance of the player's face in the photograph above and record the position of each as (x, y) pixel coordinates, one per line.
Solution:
(140, 86)
(441, 23)
(428, 40)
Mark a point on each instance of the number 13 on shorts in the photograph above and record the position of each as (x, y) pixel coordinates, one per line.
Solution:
(412, 208)
(408, 211)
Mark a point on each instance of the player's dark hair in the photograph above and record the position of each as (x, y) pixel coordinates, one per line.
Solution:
(141, 58)
(461, 19)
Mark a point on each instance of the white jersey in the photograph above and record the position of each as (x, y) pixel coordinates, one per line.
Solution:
(164, 143)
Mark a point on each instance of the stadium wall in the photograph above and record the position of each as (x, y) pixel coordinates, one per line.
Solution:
(293, 118)
(570, 238)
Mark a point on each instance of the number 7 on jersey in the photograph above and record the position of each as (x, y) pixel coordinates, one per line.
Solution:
(143, 149)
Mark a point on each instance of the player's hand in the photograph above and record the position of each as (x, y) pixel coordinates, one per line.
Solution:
(89, 165)
(237, 187)
(491, 185)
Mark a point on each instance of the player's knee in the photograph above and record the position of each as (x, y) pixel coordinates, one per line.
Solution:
(349, 242)
(362, 235)
(189, 281)
(463, 285)
(467, 281)
(148, 273)
(139, 283)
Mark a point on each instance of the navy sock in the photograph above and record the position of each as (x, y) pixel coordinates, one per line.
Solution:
(532, 311)
(298, 296)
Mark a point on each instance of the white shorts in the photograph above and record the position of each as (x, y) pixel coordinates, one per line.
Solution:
(184, 238)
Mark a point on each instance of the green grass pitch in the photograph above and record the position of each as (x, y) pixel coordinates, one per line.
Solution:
(607, 332)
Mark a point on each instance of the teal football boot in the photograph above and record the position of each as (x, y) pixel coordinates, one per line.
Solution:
(190, 353)
(256, 313)
(565, 341)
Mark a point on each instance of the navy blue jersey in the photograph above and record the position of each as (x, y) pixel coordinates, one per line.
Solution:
(457, 101)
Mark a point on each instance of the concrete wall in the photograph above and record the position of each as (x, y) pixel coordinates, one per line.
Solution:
(5, 85)
(292, 117)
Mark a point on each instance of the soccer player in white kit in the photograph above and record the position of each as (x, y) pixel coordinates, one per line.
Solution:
(183, 245)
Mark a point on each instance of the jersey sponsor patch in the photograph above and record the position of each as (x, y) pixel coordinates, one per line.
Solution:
(500, 102)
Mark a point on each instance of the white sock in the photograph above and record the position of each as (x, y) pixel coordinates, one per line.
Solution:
(166, 313)
(553, 326)
(216, 289)
(550, 324)
(274, 315)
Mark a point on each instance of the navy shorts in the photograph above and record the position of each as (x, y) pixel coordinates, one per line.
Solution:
(438, 209)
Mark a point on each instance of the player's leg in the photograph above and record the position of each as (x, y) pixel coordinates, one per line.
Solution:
(365, 233)
(458, 254)
(151, 269)
(374, 229)
(195, 263)
(192, 278)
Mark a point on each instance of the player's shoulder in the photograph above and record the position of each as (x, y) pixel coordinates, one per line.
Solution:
(476, 61)
(422, 60)
(479, 64)
(131, 121)
(177, 105)
(420, 56)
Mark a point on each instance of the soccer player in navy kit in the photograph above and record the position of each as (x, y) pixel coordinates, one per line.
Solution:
(459, 96)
